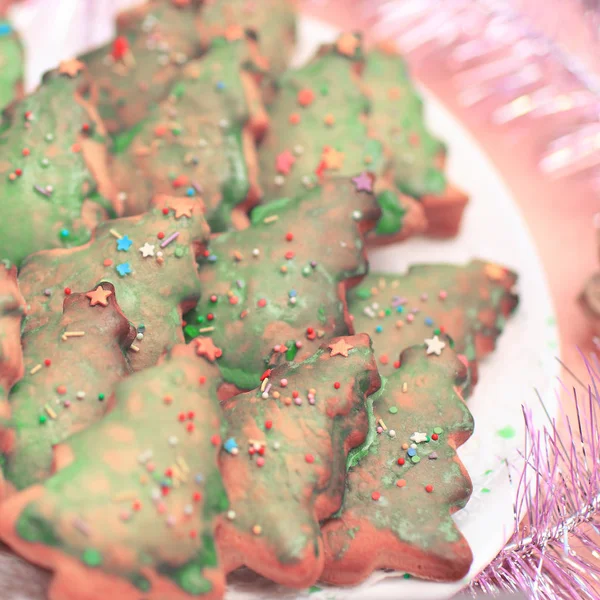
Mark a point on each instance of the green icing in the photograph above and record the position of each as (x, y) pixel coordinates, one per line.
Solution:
(192, 144)
(34, 220)
(318, 429)
(507, 432)
(122, 141)
(190, 578)
(392, 214)
(169, 549)
(11, 64)
(309, 140)
(32, 527)
(127, 91)
(270, 292)
(413, 515)
(260, 213)
(397, 120)
(399, 311)
(91, 557)
(141, 583)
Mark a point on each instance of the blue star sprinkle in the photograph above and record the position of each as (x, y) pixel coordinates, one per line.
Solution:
(124, 243)
(124, 269)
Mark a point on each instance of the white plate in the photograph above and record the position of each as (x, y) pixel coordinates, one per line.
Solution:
(493, 229)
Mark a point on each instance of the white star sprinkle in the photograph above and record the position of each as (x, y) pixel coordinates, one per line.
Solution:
(435, 345)
(147, 250)
(418, 437)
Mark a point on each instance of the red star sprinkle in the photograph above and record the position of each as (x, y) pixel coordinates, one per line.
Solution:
(284, 162)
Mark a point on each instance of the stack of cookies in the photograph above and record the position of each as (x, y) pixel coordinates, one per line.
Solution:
(198, 371)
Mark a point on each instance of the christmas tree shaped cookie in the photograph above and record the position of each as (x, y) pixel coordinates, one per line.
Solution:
(318, 123)
(151, 261)
(11, 64)
(318, 129)
(132, 511)
(283, 463)
(139, 67)
(272, 23)
(200, 141)
(72, 365)
(53, 175)
(470, 304)
(12, 310)
(276, 290)
(400, 493)
(415, 156)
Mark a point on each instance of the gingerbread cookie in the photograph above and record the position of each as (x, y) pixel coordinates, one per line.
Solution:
(73, 362)
(277, 290)
(139, 67)
(470, 304)
(318, 123)
(415, 157)
(53, 167)
(283, 463)
(132, 510)
(11, 65)
(318, 128)
(271, 23)
(12, 310)
(200, 141)
(401, 491)
(151, 261)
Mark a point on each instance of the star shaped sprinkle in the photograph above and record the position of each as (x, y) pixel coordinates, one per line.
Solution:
(333, 159)
(99, 296)
(182, 207)
(418, 438)
(495, 272)
(124, 269)
(71, 67)
(206, 347)
(147, 250)
(340, 347)
(124, 243)
(435, 345)
(347, 44)
(363, 182)
(284, 162)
